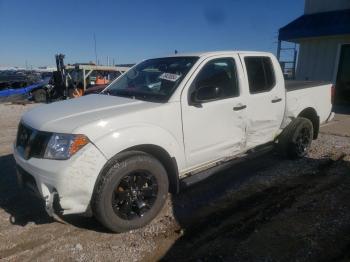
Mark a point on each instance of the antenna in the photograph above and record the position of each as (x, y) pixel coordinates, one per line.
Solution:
(95, 49)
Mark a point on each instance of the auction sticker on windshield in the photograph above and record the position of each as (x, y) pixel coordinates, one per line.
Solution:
(169, 77)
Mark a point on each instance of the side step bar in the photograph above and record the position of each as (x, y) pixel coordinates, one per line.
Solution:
(220, 166)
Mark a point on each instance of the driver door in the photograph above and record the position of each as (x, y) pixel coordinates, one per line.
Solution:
(214, 113)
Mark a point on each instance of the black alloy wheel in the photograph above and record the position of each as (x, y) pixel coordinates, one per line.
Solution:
(130, 192)
(135, 195)
(303, 141)
(295, 140)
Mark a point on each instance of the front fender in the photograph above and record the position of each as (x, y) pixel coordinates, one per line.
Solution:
(121, 139)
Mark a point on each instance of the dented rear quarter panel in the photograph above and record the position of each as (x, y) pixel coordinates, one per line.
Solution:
(317, 97)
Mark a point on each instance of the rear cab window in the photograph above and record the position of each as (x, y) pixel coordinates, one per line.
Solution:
(261, 74)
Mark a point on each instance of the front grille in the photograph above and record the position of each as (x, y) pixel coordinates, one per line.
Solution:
(30, 142)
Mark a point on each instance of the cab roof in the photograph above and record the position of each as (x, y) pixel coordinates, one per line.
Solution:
(215, 53)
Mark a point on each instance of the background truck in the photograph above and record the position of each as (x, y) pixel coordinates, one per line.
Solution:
(166, 122)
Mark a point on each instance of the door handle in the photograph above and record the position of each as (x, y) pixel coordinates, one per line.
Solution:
(239, 107)
(276, 100)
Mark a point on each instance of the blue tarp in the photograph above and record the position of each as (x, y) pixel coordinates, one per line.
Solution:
(23, 90)
(316, 25)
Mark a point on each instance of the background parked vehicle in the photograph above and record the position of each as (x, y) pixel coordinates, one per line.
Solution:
(15, 85)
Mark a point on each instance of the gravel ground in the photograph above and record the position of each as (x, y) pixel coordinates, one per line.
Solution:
(269, 209)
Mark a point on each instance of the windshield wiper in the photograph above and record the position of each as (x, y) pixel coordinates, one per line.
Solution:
(149, 98)
(138, 95)
(121, 93)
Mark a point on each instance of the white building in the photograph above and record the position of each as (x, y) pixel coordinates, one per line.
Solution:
(323, 35)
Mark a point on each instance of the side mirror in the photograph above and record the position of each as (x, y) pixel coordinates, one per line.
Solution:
(205, 94)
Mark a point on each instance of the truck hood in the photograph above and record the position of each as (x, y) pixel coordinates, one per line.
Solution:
(66, 116)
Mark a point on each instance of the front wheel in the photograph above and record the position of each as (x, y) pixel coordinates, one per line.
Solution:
(131, 192)
(295, 140)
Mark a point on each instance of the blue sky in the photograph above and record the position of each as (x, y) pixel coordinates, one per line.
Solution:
(130, 31)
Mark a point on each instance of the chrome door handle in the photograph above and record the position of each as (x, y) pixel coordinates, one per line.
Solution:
(240, 107)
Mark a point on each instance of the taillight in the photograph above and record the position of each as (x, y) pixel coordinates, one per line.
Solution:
(332, 94)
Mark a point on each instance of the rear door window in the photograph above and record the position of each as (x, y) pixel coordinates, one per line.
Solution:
(261, 75)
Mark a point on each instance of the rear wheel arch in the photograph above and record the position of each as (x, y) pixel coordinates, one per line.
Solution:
(311, 114)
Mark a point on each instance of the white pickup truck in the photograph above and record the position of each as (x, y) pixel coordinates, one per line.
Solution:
(166, 122)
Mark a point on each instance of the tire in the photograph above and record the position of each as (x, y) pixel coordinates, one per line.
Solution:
(39, 96)
(295, 141)
(119, 203)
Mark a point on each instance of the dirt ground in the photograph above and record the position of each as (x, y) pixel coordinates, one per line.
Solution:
(267, 209)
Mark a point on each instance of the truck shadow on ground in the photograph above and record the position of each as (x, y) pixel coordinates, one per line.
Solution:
(267, 209)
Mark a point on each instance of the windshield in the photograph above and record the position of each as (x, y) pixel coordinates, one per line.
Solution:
(152, 80)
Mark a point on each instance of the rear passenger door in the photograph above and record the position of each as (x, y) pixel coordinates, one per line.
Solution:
(265, 99)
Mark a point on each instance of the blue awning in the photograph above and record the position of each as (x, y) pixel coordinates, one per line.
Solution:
(316, 25)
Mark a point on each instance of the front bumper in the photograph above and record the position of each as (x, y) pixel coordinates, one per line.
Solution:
(67, 183)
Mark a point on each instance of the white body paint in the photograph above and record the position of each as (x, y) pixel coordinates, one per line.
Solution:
(194, 136)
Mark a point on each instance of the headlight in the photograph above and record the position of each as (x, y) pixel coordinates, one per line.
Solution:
(63, 146)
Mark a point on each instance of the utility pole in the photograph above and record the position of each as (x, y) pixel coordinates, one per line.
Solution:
(95, 49)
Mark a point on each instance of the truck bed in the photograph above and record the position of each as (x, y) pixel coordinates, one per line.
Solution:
(292, 85)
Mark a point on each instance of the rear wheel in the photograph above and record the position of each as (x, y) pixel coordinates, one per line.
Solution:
(131, 192)
(295, 140)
